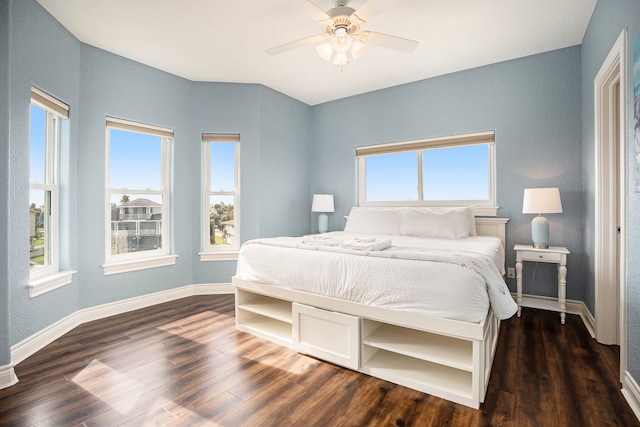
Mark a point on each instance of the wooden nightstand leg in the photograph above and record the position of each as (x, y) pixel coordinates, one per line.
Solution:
(519, 286)
(562, 291)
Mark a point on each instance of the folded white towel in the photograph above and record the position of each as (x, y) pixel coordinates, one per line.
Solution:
(364, 239)
(376, 245)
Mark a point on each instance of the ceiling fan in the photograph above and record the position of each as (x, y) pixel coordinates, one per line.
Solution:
(341, 39)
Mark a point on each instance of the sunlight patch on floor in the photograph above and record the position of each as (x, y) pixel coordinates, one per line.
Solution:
(296, 365)
(188, 416)
(113, 388)
(196, 327)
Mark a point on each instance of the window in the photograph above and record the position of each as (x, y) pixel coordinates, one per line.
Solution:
(138, 201)
(221, 238)
(448, 171)
(46, 117)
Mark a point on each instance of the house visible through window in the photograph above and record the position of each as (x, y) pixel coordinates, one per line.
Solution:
(138, 197)
(449, 171)
(220, 193)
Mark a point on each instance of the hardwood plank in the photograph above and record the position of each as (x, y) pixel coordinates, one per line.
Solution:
(183, 363)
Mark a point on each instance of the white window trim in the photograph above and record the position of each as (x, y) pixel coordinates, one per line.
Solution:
(219, 256)
(122, 263)
(49, 283)
(481, 208)
(138, 264)
(49, 277)
(211, 252)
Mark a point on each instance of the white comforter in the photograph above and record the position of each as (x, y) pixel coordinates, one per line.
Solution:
(455, 279)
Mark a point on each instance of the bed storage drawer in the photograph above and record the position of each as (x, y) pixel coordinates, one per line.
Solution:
(327, 335)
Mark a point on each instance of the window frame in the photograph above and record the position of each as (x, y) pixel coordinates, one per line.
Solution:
(132, 261)
(486, 207)
(48, 277)
(208, 251)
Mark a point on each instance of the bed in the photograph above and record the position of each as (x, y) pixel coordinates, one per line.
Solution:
(409, 295)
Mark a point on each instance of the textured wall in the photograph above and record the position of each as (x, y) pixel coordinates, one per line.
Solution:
(43, 54)
(533, 104)
(274, 152)
(608, 21)
(275, 161)
(118, 87)
(5, 356)
(541, 107)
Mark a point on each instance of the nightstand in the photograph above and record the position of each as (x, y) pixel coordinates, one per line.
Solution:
(553, 255)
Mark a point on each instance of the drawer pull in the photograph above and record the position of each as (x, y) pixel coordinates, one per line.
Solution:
(541, 256)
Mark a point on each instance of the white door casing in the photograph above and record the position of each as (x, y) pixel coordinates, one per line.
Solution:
(610, 199)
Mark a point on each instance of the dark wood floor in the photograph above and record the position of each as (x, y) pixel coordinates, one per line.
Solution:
(183, 364)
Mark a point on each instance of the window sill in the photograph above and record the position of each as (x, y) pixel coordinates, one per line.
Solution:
(219, 256)
(138, 264)
(49, 283)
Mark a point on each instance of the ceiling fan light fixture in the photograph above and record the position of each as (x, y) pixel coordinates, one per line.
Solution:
(341, 41)
(342, 46)
(357, 48)
(341, 58)
(325, 50)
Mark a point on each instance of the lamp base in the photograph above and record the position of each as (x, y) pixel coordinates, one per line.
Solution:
(541, 246)
(540, 232)
(323, 223)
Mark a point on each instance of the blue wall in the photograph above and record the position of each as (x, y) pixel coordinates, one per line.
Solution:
(5, 32)
(533, 104)
(117, 87)
(609, 19)
(275, 155)
(43, 54)
(95, 84)
(541, 108)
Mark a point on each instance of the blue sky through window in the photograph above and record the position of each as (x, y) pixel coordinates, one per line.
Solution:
(392, 177)
(37, 138)
(135, 160)
(451, 173)
(456, 173)
(37, 147)
(222, 166)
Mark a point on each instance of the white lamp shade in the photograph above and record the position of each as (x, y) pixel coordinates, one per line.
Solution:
(322, 203)
(541, 200)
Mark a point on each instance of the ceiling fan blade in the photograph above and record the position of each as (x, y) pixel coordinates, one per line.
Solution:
(309, 8)
(294, 45)
(372, 8)
(391, 42)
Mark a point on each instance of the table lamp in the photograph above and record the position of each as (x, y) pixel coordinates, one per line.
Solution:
(539, 201)
(322, 203)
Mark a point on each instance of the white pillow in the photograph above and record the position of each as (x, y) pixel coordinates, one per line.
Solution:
(443, 223)
(374, 220)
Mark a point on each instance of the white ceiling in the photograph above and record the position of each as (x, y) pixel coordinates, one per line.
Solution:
(224, 41)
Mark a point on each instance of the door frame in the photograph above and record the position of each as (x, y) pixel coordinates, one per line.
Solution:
(612, 73)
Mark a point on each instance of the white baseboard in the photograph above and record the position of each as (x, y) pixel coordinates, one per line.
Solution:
(588, 320)
(212, 289)
(573, 307)
(7, 376)
(39, 340)
(631, 392)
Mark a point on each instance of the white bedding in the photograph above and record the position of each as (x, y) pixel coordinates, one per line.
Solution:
(449, 278)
